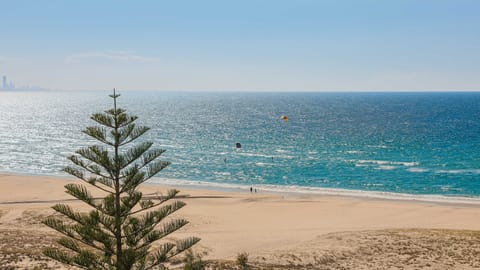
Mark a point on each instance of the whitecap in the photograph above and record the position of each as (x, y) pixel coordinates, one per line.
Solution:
(360, 165)
(459, 171)
(222, 173)
(386, 167)
(261, 155)
(378, 146)
(262, 164)
(353, 152)
(372, 161)
(386, 162)
(417, 170)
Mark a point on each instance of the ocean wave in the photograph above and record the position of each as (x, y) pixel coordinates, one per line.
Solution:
(417, 170)
(173, 146)
(222, 173)
(373, 185)
(386, 162)
(246, 154)
(263, 164)
(450, 188)
(378, 146)
(354, 152)
(294, 189)
(459, 171)
(386, 167)
(360, 165)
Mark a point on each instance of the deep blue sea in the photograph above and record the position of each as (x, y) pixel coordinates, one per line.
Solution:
(411, 144)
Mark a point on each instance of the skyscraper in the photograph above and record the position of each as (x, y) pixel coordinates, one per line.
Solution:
(4, 82)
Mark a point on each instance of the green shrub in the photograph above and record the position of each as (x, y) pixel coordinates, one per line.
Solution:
(242, 260)
(193, 261)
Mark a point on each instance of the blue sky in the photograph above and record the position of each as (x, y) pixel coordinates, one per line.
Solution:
(262, 45)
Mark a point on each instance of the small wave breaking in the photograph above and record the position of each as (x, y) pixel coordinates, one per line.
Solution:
(459, 171)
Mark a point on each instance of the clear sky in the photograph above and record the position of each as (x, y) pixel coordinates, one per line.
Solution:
(244, 45)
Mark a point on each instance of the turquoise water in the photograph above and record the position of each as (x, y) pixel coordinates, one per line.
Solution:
(408, 143)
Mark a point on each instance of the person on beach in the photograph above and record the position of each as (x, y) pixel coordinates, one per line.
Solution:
(251, 189)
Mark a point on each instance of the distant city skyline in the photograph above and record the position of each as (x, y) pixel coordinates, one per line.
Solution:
(6, 84)
(304, 45)
(10, 85)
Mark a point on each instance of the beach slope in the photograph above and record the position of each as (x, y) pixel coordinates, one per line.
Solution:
(276, 230)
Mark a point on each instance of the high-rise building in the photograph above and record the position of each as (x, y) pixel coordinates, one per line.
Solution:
(4, 82)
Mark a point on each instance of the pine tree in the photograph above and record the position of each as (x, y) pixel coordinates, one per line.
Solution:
(119, 231)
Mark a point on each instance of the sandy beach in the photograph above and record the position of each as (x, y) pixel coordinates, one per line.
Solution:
(277, 231)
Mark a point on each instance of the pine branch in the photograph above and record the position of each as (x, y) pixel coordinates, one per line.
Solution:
(156, 167)
(88, 259)
(69, 244)
(114, 96)
(73, 246)
(131, 231)
(149, 169)
(136, 132)
(67, 211)
(145, 204)
(151, 156)
(139, 227)
(75, 172)
(132, 177)
(108, 205)
(103, 119)
(125, 132)
(98, 133)
(167, 228)
(122, 119)
(87, 226)
(59, 255)
(162, 255)
(117, 112)
(104, 181)
(134, 153)
(167, 251)
(162, 199)
(90, 236)
(59, 226)
(125, 120)
(91, 167)
(99, 237)
(186, 243)
(98, 155)
(92, 181)
(129, 202)
(68, 231)
(108, 222)
(80, 192)
(132, 259)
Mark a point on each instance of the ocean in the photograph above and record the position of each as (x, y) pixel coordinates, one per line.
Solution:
(400, 145)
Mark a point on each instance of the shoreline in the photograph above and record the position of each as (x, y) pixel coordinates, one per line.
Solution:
(302, 191)
(293, 190)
